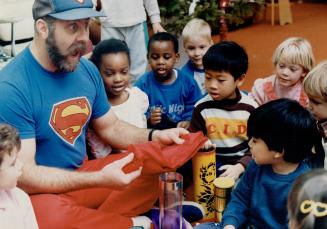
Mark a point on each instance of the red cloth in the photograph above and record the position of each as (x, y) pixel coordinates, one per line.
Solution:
(106, 208)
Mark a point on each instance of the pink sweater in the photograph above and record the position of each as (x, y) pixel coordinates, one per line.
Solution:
(267, 89)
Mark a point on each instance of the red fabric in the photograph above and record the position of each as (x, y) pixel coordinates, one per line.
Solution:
(105, 208)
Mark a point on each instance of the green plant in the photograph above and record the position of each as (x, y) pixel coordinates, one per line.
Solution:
(175, 14)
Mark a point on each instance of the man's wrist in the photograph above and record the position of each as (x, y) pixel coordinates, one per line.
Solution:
(150, 135)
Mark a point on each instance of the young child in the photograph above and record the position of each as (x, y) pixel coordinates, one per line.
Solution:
(197, 40)
(16, 210)
(315, 86)
(307, 201)
(281, 133)
(129, 104)
(172, 94)
(222, 114)
(292, 59)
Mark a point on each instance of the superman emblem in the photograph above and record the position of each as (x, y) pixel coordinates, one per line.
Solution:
(69, 117)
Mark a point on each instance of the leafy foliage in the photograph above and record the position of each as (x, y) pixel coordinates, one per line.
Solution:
(175, 13)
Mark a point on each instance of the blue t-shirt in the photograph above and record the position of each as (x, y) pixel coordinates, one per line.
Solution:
(53, 108)
(260, 198)
(176, 100)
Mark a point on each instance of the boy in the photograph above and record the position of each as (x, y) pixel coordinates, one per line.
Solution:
(315, 85)
(282, 134)
(16, 210)
(222, 114)
(172, 94)
(197, 40)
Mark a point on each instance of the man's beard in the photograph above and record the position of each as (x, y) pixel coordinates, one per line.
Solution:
(59, 59)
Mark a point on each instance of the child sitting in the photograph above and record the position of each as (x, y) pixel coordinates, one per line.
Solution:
(129, 104)
(307, 201)
(172, 94)
(281, 134)
(16, 210)
(292, 59)
(197, 40)
(315, 86)
(222, 114)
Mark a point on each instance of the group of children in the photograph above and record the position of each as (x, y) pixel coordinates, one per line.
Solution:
(281, 134)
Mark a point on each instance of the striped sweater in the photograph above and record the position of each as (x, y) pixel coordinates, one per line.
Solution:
(225, 124)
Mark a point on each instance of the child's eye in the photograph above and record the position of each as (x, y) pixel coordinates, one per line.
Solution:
(154, 57)
(108, 73)
(167, 56)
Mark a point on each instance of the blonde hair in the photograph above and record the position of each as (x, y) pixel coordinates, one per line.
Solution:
(295, 50)
(315, 83)
(198, 27)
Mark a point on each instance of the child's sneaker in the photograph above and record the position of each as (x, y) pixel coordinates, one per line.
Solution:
(192, 211)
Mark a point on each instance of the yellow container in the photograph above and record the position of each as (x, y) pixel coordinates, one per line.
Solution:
(223, 190)
(204, 173)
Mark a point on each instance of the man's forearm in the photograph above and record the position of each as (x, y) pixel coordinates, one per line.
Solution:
(41, 179)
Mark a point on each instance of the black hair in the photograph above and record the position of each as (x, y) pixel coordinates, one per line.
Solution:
(226, 56)
(285, 126)
(312, 188)
(163, 36)
(106, 47)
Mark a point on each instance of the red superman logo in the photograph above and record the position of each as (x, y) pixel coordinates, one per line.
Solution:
(69, 117)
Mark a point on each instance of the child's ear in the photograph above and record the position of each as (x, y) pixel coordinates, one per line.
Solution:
(278, 155)
(177, 58)
(240, 81)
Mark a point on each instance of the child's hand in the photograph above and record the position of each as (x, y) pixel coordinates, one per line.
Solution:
(233, 171)
(183, 124)
(208, 145)
(155, 116)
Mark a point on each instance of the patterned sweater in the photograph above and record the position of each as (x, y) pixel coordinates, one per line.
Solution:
(225, 124)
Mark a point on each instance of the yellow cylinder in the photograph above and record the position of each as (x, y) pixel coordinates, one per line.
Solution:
(204, 173)
(223, 188)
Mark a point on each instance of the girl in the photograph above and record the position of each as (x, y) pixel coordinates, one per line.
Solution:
(292, 59)
(129, 104)
(307, 201)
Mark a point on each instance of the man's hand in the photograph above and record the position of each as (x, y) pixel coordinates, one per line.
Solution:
(113, 176)
(156, 27)
(169, 136)
(233, 171)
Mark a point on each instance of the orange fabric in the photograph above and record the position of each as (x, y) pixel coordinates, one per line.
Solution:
(105, 208)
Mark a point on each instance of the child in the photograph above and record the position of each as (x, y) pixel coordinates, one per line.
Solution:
(222, 114)
(197, 40)
(172, 94)
(292, 59)
(307, 201)
(129, 104)
(281, 133)
(16, 210)
(315, 86)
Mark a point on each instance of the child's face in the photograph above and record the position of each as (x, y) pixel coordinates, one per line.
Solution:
(289, 74)
(195, 48)
(162, 59)
(10, 170)
(114, 70)
(260, 152)
(221, 85)
(318, 107)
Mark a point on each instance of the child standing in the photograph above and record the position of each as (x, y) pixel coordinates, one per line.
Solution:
(126, 20)
(292, 59)
(16, 210)
(222, 114)
(129, 104)
(172, 94)
(315, 85)
(197, 40)
(307, 206)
